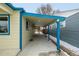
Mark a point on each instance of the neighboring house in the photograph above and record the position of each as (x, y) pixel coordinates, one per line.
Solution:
(66, 14)
(70, 33)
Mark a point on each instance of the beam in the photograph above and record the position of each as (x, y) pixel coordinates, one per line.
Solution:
(44, 16)
(58, 35)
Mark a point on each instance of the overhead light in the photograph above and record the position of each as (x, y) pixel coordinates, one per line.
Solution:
(57, 20)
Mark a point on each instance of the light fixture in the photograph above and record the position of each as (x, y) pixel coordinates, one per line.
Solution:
(57, 20)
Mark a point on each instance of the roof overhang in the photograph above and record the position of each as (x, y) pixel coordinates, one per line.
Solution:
(38, 19)
(42, 20)
(5, 8)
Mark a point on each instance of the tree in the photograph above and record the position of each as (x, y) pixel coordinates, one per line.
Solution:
(49, 9)
(45, 9)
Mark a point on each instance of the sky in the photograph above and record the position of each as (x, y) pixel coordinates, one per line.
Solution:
(31, 7)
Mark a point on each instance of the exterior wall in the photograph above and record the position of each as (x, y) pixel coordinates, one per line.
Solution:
(72, 22)
(11, 41)
(26, 34)
(9, 44)
(70, 33)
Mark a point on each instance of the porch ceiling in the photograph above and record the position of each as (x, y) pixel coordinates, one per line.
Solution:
(39, 21)
(42, 20)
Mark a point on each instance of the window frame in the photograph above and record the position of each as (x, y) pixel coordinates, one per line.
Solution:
(8, 16)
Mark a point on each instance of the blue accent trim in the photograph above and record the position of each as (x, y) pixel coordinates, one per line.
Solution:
(48, 33)
(8, 24)
(44, 16)
(58, 36)
(20, 30)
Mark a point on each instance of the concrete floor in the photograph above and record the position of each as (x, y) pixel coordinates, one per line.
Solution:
(40, 46)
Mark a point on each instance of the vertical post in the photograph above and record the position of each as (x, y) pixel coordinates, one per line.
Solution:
(58, 35)
(48, 33)
(20, 31)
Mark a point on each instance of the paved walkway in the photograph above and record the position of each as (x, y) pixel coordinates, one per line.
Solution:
(39, 45)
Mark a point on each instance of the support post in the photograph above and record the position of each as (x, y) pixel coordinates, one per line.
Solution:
(58, 35)
(48, 33)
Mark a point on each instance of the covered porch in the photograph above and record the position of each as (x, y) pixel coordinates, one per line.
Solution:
(40, 46)
(39, 20)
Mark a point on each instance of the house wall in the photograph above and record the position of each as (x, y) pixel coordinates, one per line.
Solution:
(14, 33)
(26, 34)
(72, 22)
(9, 44)
(70, 33)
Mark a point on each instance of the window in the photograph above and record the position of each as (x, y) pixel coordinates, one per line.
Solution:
(4, 24)
(27, 25)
